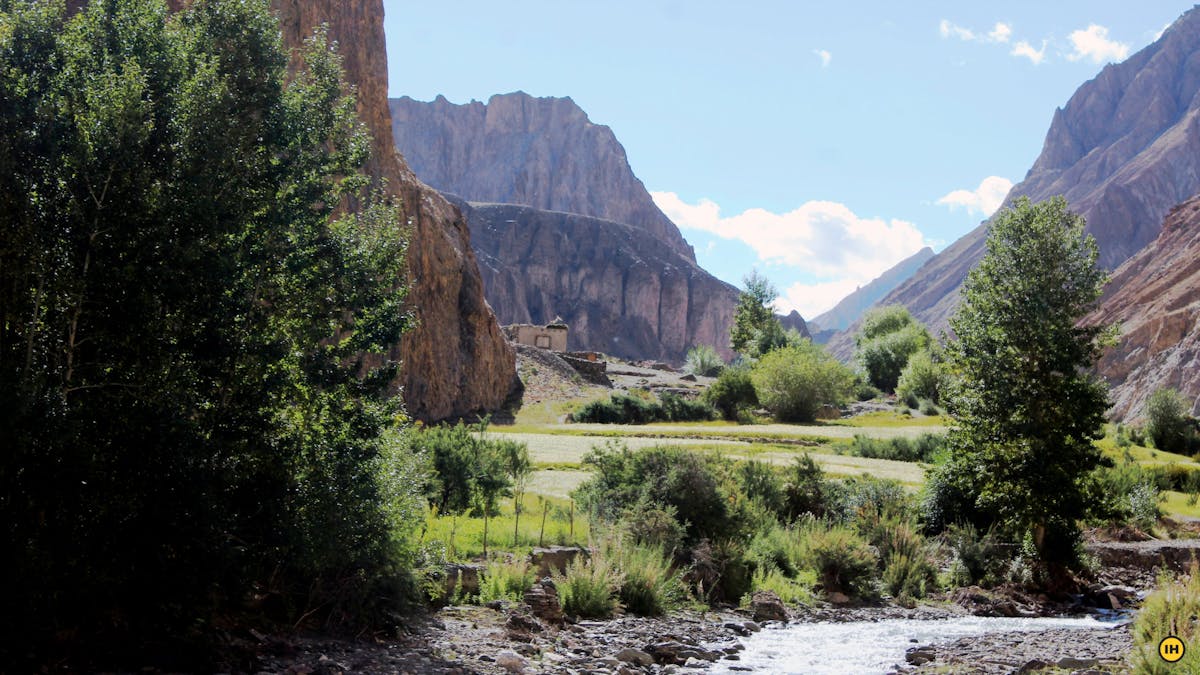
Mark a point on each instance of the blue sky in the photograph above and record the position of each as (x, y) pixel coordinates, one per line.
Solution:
(817, 142)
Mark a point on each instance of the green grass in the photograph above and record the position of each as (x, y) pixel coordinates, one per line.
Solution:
(1176, 504)
(463, 535)
(887, 419)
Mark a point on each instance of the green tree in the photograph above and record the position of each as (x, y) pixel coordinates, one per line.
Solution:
(518, 468)
(922, 378)
(755, 329)
(1025, 409)
(1167, 421)
(193, 341)
(794, 382)
(888, 338)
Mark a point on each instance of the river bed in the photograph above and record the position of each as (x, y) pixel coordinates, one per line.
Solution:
(875, 646)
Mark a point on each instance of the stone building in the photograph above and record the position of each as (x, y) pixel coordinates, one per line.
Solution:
(552, 336)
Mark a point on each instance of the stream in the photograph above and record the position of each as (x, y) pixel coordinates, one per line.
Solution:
(874, 646)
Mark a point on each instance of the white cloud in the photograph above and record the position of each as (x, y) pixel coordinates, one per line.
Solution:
(1023, 48)
(1093, 43)
(983, 200)
(950, 29)
(1001, 33)
(825, 240)
(825, 57)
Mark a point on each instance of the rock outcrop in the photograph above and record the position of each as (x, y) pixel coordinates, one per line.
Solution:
(1123, 151)
(621, 291)
(851, 307)
(455, 361)
(1155, 297)
(539, 152)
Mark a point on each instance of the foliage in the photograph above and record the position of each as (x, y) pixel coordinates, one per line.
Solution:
(791, 590)
(732, 393)
(630, 409)
(543, 522)
(753, 317)
(978, 559)
(678, 481)
(1025, 408)
(794, 382)
(1172, 609)
(649, 586)
(193, 334)
(924, 448)
(1168, 423)
(888, 338)
(922, 378)
(704, 360)
(806, 491)
(506, 580)
(763, 484)
(588, 588)
(844, 562)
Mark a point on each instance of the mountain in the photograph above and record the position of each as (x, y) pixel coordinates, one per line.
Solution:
(620, 290)
(1123, 151)
(456, 361)
(539, 152)
(852, 306)
(1155, 297)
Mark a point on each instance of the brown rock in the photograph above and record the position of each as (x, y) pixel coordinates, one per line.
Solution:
(542, 599)
(766, 606)
(538, 152)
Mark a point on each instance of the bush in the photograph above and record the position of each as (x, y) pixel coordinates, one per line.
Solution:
(924, 448)
(890, 336)
(909, 576)
(732, 393)
(1168, 423)
(653, 525)
(761, 483)
(704, 360)
(506, 580)
(791, 590)
(806, 491)
(720, 572)
(977, 559)
(1172, 609)
(922, 378)
(630, 409)
(844, 562)
(649, 585)
(794, 382)
(588, 588)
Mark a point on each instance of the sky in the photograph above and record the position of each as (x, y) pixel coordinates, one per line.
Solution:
(819, 143)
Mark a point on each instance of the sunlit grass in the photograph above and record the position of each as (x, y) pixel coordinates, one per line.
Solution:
(888, 419)
(1175, 504)
(462, 535)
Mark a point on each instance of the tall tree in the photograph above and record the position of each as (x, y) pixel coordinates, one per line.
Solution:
(1025, 408)
(192, 341)
(755, 329)
(888, 338)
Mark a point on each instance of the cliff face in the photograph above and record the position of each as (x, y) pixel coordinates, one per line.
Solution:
(621, 291)
(455, 361)
(1155, 297)
(540, 152)
(1123, 151)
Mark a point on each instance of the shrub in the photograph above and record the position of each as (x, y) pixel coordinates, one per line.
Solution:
(704, 360)
(732, 393)
(506, 580)
(924, 448)
(629, 409)
(909, 576)
(1167, 421)
(922, 378)
(844, 562)
(791, 590)
(865, 391)
(720, 572)
(806, 490)
(649, 585)
(761, 483)
(795, 381)
(889, 337)
(653, 525)
(1172, 609)
(977, 559)
(588, 588)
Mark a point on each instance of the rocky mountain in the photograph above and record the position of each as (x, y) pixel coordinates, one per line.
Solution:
(1123, 151)
(456, 361)
(852, 306)
(539, 152)
(620, 290)
(1155, 297)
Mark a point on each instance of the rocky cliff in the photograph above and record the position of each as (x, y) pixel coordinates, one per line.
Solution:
(540, 152)
(621, 291)
(1155, 297)
(1124, 150)
(456, 361)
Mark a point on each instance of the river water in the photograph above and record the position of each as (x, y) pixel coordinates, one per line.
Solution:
(864, 647)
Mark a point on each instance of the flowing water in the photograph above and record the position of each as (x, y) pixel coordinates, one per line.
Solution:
(863, 647)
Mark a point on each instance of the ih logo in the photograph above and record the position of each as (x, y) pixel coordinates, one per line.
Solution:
(1171, 649)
